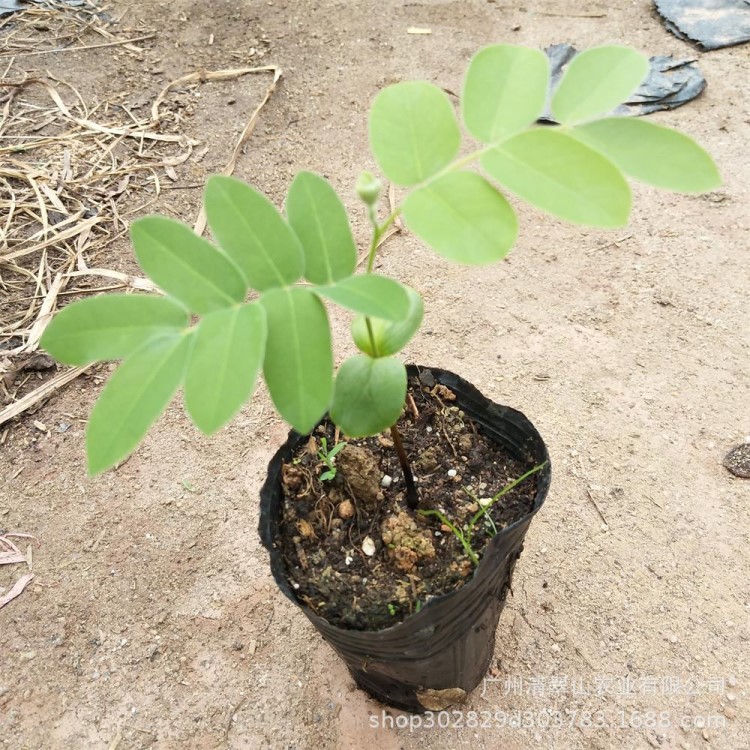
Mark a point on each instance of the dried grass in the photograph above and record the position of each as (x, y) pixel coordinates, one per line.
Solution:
(71, 174)
(10, 554)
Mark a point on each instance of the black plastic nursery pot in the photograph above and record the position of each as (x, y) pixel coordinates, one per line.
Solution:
(438, 655)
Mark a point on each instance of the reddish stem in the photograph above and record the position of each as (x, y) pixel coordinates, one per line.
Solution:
(412, 499)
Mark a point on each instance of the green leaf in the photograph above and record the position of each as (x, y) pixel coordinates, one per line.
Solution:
(369, 395)
(224, 364)
(596, 81)
(321, 223)
(110, 326)
(504, 91)
(133, 399)
(463, 218)
(653, 153)
(185, 265)
(250, 229)
(413, 131)
(369, 294)
(562, 176)
(298, 365)
(390, 338)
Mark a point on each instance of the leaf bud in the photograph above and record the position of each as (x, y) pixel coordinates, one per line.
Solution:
(368, 188)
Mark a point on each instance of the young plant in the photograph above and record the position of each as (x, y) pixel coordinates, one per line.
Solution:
(328, 458)
(464, 534)
(297, 262)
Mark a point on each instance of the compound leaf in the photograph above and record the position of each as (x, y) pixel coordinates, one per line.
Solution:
(463, 218)
(652, 153)
(133, 399)
(298, 364)
(223, 367)
(369, 395)
(250, 229)
(185, 265)
(110, 326)
(562, 176)
(321, 223)
(504, 91)
(369, 294)
(413, 131)
(389, 337)
(596, 81)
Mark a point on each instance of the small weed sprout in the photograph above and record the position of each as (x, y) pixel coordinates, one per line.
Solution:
(328, 458)
(464, 535)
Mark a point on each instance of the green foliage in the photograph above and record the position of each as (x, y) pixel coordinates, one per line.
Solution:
(562, 176)
(369, 294)
(133, 399)
(462, 217)
(596, 81)
(249, 228)
(413, 131)
(388, 337)
(319, 219)
(464, 534)
(298, 364)
(328, 457)
(369, 394)
(652, 153)
(575, 171)
(504, 91)
(111, 326)
(224, 363)
(185, 265)
(456, 531)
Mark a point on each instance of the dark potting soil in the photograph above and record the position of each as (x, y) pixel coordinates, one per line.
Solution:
(355, 554)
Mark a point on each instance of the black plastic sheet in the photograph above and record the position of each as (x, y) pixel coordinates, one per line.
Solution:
(10, 6)
(441, 653)
(711, 24)
(670, 82)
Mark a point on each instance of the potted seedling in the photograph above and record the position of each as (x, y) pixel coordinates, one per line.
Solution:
(395, 512)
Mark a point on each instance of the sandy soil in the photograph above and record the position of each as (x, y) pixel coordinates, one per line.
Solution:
(153, 621)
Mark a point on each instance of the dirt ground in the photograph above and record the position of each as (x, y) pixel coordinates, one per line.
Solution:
(153, 621)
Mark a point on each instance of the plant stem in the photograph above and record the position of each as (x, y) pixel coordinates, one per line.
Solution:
(465, 543)
(372, 337)
(412, 499)
(378, 231)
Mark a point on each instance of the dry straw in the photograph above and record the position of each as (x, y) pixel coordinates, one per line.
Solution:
(71, 175)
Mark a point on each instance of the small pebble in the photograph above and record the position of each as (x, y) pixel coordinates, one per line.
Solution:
(368, 546)
(731, 697)
(348, 559)
(452, 472)
(485, 501)
(730, 713)
(673, 639)
(345, 509)
(386, 481)
(732, 681)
